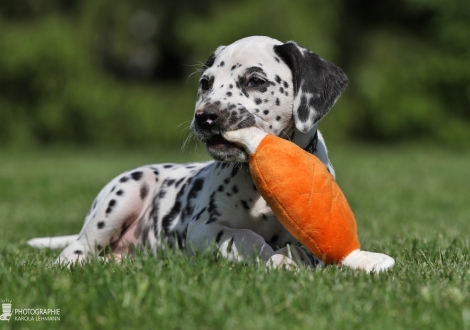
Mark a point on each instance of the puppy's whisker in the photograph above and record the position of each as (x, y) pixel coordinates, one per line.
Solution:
(191, 74)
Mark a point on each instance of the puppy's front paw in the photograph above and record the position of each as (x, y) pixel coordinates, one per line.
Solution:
(279, 261)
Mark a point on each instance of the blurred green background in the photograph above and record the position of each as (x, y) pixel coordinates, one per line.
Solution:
(118, 73)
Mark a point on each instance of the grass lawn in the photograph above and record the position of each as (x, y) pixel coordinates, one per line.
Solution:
(411, 202)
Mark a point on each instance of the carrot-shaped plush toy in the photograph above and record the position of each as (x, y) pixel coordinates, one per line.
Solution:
(306, 200)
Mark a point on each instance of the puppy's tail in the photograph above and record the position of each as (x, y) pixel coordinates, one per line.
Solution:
(52, 242)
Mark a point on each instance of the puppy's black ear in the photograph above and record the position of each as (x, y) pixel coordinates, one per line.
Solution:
(211, 59)
(317, 84)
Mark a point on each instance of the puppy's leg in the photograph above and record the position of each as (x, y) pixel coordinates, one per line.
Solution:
(289, 257)
(116, 208)
(241, 245)
(52, 242)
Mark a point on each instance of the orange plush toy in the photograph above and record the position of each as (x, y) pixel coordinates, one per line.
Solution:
(306, 200)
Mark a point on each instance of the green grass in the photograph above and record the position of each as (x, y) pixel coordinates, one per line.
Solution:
(411, 202)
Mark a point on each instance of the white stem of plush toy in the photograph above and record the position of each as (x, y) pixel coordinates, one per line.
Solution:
(249, 138)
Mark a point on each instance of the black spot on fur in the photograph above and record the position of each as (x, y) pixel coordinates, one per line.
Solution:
(277, 78)
(79, 252)
(144, 190)
(281, 89)
(110, 206)
(222, 63)
(235, 189)
(170, 182)
(212, 209)
(168, 166)
(230, 86)
(286, 85)
(278, 102)
(196, 187)
(197, 216)
(256, 69)
(219, 236)
(226, 181)
(100, 225)
(156, 172)
(229, 94)
(245, 205)
(221, 188)
(230, 245)
(233, 119)
(120, 192)
(278, 118)
(124, 179)
(179, 182)
(233, 67)
(266, 112)
(210, 62)
(277, 59)
(258, 101)
(137, 175)
(168, 219)
(234, 171)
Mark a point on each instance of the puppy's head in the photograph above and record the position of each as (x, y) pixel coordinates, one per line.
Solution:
(259, 81)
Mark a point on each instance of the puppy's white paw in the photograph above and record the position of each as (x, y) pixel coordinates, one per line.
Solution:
(279, 261)
(75, 252)
(368, 261)
(249, 138)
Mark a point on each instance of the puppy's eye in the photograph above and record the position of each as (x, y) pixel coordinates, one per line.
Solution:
(255, 82)
(205, 85)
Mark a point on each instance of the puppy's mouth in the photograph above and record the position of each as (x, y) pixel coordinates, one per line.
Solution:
(217, 141)
(224, 151)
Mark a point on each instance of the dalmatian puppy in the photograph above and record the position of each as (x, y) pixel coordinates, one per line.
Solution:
(281, 88)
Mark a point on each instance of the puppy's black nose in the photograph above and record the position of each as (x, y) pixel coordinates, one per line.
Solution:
(206, 117)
